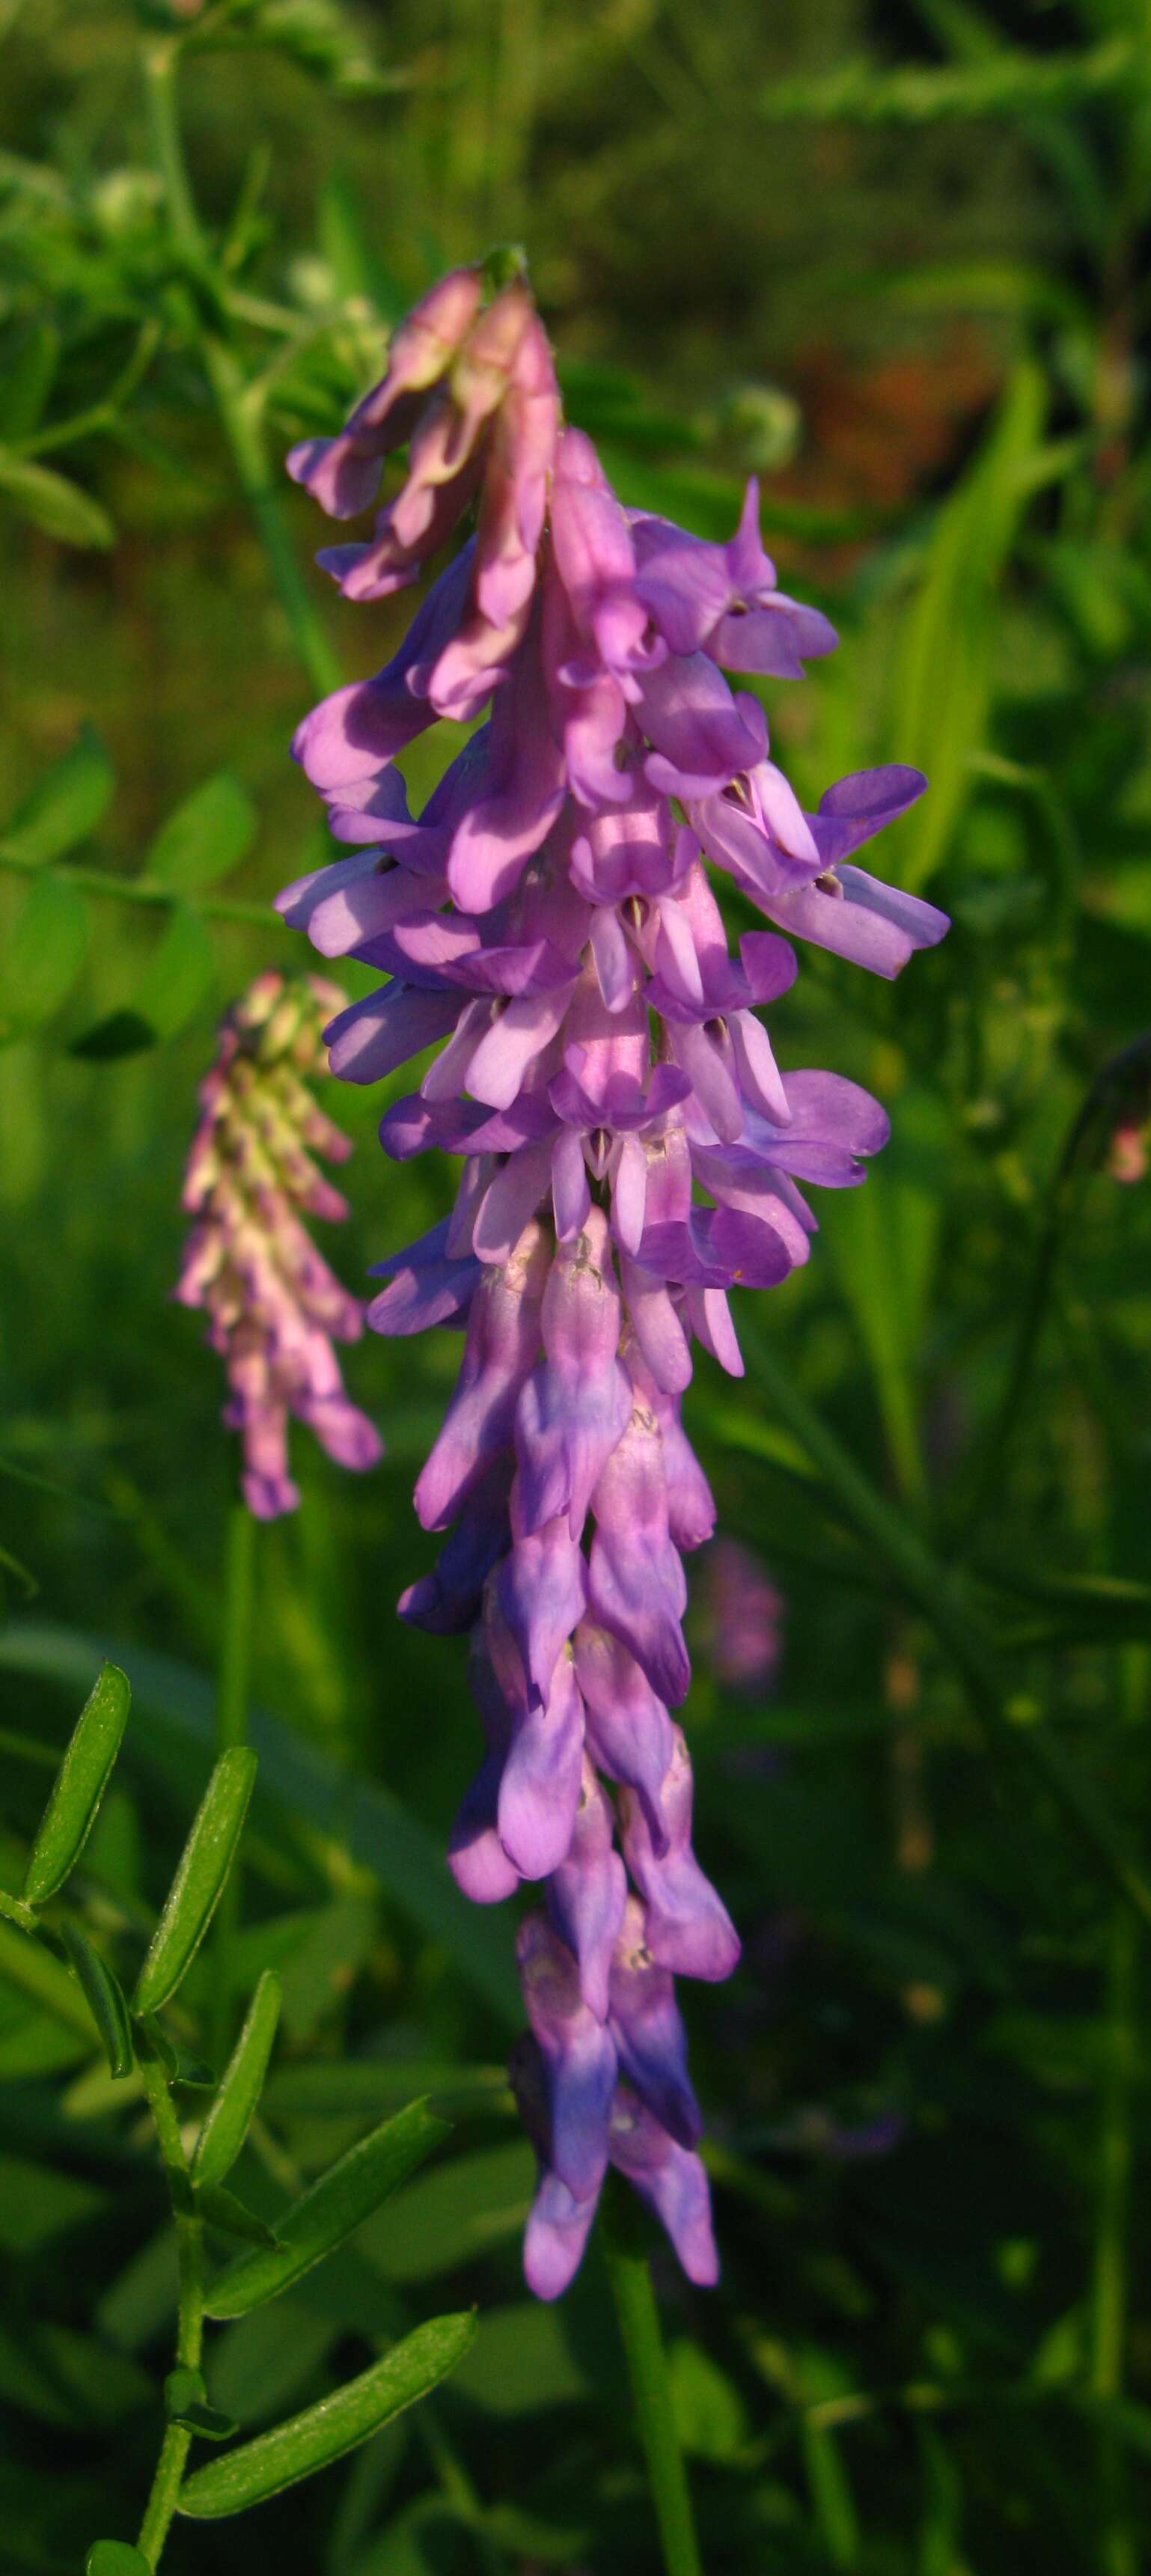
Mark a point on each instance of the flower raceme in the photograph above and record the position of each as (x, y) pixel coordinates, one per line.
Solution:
(274, 1308)
(631, 1151)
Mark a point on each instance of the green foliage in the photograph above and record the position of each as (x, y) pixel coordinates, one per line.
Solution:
(198, 1885)
(241, 2085)
(79, 1786)
(335, 2206)
(60, 2378)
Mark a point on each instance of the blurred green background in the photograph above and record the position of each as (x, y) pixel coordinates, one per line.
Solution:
(894, 259)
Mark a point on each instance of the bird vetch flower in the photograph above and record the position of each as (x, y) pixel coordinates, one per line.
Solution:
(632, 1151)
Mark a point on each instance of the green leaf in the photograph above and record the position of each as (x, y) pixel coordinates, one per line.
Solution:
(53, 503)
(65, 2378)
(28, 1965)
(186, 2403)
(943, 671)
(29, 377)
(105, 1999)
(79, 1785)
(116, 2558)
(456, 2214)
(38, 2203)
(241, 2084)
(200, 1876)
(333, 2208)
(43, 955)
(64, 806)
(122, 1032)
(325, 2432)
(177, 1709)
(222, 2209)
(179, 973)
(207, 835)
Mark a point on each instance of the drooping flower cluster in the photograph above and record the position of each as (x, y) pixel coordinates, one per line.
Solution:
(631, 1151)
(274, 1308)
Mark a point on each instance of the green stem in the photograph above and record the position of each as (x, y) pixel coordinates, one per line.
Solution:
(232, 1693)
(166, 2484)
(241, 423)
(635, 2305)
(238, 407)
(949, 1611)
(144, 890)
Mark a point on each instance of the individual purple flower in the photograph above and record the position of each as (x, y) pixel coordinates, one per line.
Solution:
(274, 1308)
(724, 598)
(633, 1153)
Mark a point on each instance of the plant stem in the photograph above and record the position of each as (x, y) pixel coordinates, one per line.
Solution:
(161, 2503)
(635, 2304)
(232, 1690)
(144, 890)
(238, 405)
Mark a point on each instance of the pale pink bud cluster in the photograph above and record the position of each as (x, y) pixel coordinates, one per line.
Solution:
(274, 1308)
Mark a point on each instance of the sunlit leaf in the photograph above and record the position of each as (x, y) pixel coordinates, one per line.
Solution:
(52, 503)
(64, 806)
(43, 955)
(325, 2432)
(207, 835)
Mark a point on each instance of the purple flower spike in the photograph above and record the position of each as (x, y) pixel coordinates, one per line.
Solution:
(273, 1305)
(632, 1150)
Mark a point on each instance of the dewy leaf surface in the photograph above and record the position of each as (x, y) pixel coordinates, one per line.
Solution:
(203, 1868)
(325, 2432)
(79, 1785)
(334, 2207)
(226, 2125)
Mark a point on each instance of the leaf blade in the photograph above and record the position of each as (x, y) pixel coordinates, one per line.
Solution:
(64, 806)
(205, 837)
(200, 1875)
(79, 1785)
(308, 2442)
(54, 504)
(329, 2212)
(104, 1997)
(229, 2116)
